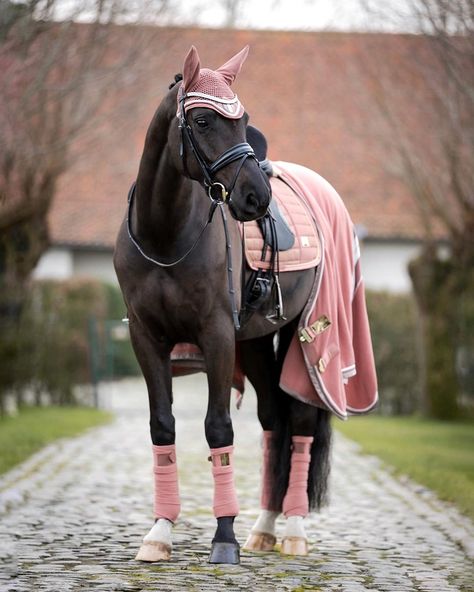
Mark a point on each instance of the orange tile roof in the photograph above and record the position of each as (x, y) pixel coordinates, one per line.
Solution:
(301, 89)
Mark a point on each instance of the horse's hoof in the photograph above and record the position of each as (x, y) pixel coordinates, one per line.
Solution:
(293, 545)
(225, 553)
(260, 541)
(152, 551)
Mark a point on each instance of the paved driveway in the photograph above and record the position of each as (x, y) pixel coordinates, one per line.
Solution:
(72, 517)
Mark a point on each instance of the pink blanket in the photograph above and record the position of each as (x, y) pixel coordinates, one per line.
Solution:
(330, 361)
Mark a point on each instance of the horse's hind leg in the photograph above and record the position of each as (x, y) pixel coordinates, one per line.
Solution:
(308, 472)
(296, 445)
(296, 500)
(153, 356)
(260, 365)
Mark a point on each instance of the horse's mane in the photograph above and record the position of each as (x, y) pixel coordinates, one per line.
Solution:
(177, 78)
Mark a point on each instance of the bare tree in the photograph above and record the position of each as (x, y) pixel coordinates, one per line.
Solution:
(236, 11)
(55, 76)
(58, 68)
(232, 8)
(424, 103)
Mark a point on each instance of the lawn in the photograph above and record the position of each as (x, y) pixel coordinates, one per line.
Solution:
(439, 455)
(33, 428)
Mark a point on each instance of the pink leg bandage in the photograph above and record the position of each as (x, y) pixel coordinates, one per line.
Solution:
(266, 474)
(167, 503)
(296, 502)
(225, 497)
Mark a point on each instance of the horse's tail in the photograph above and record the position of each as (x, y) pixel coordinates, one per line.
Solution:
(280, 458)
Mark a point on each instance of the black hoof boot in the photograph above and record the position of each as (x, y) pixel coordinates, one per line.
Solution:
(225, 553)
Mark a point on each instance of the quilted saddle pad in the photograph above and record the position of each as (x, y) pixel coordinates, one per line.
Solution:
(306, 251)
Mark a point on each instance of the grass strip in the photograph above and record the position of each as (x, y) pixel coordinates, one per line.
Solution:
(34, 427)
(436, 454)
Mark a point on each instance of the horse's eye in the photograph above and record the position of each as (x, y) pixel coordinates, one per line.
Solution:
(201, 122)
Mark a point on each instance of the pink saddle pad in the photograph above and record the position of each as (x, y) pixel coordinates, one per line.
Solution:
(306, 251)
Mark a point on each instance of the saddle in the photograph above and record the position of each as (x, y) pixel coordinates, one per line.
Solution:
(276, 233)
(299, 246)
(285, 239)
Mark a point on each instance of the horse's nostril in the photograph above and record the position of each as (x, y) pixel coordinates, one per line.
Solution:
(252, 200)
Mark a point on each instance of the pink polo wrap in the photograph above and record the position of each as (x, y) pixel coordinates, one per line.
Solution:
(166, 504)
(225, 496)
(295, 502)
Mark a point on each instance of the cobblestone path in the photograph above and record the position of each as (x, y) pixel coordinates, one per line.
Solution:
(72, 517)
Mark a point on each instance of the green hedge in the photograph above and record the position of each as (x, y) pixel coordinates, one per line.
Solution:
(71, 333)
(62, 338)
(121, 358)
(393, 324)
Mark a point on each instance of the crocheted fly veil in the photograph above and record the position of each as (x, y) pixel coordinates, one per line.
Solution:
(203, 87)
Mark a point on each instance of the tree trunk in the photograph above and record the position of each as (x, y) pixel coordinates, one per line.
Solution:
(20, 248)
(442, 287)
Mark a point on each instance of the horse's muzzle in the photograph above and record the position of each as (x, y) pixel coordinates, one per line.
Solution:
(251, 211)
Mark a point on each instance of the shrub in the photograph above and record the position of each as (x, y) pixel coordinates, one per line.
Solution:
(393, 324)
(63, 338)
(121, 360)
(71, 333)
(56, 317)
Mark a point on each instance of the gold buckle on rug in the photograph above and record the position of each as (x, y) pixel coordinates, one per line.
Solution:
(309, 333)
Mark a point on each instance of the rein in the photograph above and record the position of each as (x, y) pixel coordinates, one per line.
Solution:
(214, 205)
(131, 195)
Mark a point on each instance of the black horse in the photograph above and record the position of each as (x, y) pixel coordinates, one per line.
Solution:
(178, 259)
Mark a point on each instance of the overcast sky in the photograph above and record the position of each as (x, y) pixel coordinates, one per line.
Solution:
(384, 15)
(295, 14)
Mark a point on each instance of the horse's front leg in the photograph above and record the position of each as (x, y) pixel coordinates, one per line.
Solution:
(154, 357)
(219, 352)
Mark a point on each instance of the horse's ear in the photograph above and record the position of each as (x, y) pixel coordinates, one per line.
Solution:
(191, 69)
(231, 68)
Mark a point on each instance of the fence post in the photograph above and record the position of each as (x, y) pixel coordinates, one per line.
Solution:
(94, 358)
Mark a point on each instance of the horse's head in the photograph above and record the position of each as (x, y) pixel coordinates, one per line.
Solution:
(213, 146)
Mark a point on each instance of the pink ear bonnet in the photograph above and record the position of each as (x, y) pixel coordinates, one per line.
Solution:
(211, 88)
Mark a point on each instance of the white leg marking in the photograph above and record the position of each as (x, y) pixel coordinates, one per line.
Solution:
(266, 522)
(160, 533)
(156, 545)
(262, 536)
(294, 527)
(294, 540)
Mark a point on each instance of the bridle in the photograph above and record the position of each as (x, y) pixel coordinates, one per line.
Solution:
(215, 190)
